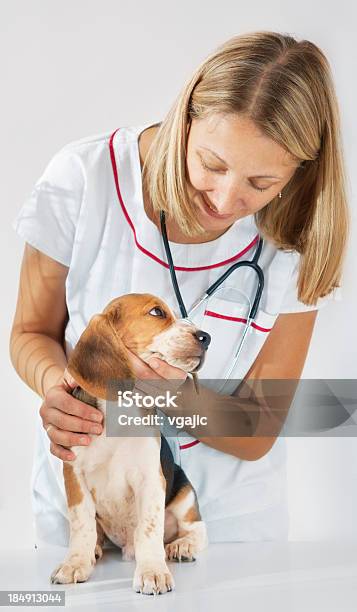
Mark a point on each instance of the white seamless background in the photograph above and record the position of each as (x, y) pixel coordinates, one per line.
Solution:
(73, 69)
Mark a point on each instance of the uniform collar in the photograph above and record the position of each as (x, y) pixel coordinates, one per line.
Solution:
(238, 242)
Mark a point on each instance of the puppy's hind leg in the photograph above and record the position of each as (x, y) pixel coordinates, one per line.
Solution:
(100, 541)
(191, 530)
(80, 559)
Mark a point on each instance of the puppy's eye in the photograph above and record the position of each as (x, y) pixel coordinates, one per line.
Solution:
(157, 312)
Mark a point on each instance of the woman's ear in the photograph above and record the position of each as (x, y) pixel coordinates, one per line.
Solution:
(100, 356)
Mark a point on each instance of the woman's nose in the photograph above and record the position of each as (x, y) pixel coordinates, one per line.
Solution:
(226, 208)
(228, 202)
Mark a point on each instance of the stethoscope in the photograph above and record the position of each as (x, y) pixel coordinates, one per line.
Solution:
(215, 286)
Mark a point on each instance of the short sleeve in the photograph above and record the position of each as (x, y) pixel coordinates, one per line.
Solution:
(47, 219)
(290, 301)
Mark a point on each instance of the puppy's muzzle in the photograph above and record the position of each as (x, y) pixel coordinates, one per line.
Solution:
(204, 340)
(203, 337)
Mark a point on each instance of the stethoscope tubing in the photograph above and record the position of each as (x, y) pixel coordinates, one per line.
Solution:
(172, 267)
(253, 264)
(213, 288)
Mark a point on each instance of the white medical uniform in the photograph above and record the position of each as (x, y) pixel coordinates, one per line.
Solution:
(86, 211)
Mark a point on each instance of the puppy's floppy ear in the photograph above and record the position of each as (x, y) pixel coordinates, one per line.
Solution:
(100, 355)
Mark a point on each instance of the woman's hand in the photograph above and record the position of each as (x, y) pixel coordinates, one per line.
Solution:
(157, 369)
(156, 378)
(66, 419)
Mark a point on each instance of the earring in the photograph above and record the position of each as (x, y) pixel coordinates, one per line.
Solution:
(279, 194)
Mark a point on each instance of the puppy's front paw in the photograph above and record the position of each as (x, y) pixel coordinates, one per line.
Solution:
(153, 579)
(182, 549)
(74, 569)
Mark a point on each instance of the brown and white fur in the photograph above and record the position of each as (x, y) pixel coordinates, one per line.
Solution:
(129, 489)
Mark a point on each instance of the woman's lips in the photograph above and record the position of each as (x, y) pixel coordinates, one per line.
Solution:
(210, 212)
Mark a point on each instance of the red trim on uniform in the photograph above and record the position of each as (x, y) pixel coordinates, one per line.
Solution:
(183, 446)
(210, 313)
(145, 251)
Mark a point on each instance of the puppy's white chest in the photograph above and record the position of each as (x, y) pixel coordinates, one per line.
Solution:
(105, 465)
(99, 452)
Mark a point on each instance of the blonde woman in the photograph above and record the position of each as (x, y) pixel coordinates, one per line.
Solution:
(251, 147)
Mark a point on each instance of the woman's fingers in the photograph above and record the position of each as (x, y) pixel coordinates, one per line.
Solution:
(63, 416)
(62, 453)
(149, 370)
(141, 369)
(58, 397)
(68, 422)
(66, 438)
(165, 370)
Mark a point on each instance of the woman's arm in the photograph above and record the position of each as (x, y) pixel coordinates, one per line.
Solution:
(38, 356)
(36, 341)
(282, 357)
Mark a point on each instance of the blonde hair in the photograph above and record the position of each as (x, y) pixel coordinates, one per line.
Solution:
(285, 87)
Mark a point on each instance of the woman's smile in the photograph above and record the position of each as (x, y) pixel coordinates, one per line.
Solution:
(209, 209)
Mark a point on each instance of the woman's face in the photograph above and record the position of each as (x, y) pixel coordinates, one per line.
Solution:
(251, 171)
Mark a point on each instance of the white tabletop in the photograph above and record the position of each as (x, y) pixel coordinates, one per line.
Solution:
(238, 576)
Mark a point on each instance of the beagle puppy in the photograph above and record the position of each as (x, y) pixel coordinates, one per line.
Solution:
(129, 489)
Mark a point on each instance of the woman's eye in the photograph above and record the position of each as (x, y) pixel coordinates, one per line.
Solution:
(260, 188)
(210, 169)
(218, 170)
(157, 312)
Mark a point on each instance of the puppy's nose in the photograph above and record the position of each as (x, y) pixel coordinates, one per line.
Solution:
(203, 337)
